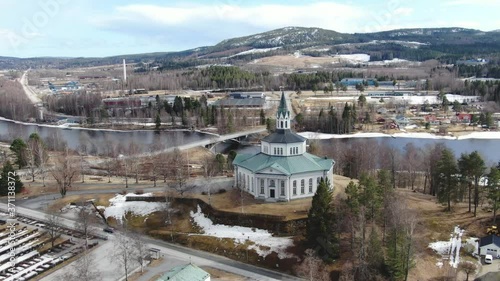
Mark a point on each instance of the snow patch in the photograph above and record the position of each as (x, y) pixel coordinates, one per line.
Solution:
(254, 51)
(450, 250)
(264, 242)
(119, 206)
(354, 58)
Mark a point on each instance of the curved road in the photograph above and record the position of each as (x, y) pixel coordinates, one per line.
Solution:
(176, 252)
(183, 253)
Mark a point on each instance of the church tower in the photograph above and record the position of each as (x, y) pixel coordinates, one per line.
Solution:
(283, 115)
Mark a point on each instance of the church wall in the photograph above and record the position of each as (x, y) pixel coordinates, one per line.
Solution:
(268, 148)
(306, 177)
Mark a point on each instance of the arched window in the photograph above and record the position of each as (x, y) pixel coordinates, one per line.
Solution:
(310, 185)
(294, 187)
(286, 124)
(282, 189)
(302, 186)
(281, 124)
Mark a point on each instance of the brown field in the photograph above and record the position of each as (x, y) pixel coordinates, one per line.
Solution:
(295, 209)
(436, 225)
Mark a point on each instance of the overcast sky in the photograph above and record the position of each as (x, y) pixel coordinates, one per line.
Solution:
(86, 28)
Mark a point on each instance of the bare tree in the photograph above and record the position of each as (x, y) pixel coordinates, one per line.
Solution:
(31, 157)
(44, 159)
(65, 172)
(141, 249)
(110, 151)
(467, 267)
(179, 173)
(133, 161)
(53, 223)
(412, 161)
(86, 219)
(124, 252)
(84, 269)
(82, 151)
(312, 268)
(209, 170)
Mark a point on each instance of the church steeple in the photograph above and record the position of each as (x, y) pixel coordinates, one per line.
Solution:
(283, 115)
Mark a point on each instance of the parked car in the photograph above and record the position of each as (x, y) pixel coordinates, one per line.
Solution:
(488, 259)
(108, 230)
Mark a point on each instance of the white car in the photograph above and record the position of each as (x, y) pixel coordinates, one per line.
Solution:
(488, 259)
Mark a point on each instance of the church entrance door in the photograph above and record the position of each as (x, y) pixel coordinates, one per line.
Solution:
(271, 193)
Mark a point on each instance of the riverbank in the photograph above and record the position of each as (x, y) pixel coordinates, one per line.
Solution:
(458, 135)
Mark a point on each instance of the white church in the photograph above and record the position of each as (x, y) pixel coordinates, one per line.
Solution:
(282, 170)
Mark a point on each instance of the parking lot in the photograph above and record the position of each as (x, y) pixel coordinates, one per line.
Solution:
(33, 252)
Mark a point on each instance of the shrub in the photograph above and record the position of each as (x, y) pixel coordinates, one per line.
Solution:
(139, 191)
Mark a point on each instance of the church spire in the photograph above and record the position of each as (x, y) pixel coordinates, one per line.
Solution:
(283, 115)
(282, 108)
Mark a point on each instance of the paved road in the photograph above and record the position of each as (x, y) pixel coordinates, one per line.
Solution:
(29, 93)
(176, 252)
(41, 201)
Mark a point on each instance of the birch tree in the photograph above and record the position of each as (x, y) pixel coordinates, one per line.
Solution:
(65, 172)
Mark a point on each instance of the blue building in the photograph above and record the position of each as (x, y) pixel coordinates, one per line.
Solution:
(355, 81)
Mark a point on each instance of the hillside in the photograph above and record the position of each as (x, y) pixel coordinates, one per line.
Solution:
(444, 44)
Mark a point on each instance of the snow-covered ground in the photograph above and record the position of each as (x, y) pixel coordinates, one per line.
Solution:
(354, 58)
(393, 61)
(472, 135)
(264, 242)
(119, 207)
(254, 51)
(451, 249)
(432, 99)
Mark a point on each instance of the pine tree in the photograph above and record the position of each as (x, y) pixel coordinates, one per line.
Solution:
(494, 191)
(447, 180)
(375, 253)
(262, 117)
(7, 177)
(19, 147)
(157, 122)
(320, 221)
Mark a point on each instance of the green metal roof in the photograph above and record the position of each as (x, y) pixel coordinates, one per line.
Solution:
(188, 272)
(287, 165)
(284, 136)
(282, 109)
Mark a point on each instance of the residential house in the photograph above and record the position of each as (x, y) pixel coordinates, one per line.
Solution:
(489, 245)
(402, 121)
(463, 118)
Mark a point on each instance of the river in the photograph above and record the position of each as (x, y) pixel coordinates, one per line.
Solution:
(95, 140)
(488, 148)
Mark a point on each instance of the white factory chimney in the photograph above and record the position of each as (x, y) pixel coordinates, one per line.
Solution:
(124, 71)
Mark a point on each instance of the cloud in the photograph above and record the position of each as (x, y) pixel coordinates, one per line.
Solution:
(472, 2)
(341, 17)
(403, 11)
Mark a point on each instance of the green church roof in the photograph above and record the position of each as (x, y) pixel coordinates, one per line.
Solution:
(188, 272)
(282, 108)
(287, 165)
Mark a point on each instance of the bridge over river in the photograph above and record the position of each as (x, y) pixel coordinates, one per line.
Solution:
(215, 139)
